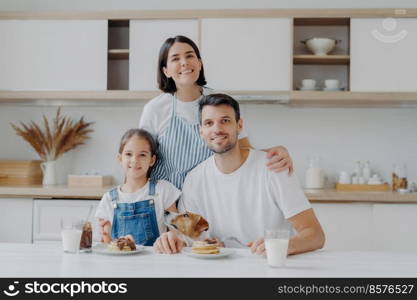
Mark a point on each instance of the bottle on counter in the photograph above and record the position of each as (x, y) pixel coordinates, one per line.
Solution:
(399, 177)
(314, 174)
(358, 169)
(366, 171)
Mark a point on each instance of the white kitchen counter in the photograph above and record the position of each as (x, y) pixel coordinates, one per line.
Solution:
(48, 260)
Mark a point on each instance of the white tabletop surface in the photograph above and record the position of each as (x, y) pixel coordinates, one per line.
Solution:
(43, 260)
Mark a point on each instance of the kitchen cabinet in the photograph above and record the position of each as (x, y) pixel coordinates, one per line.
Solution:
(395, 226)
(16, 220)
(47, 216)
(54, 55)
(247, 53)
(146, 38)
(347, 226)
(383, 54)
(354, 226)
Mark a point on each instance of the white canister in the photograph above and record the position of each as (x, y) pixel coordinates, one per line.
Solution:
(49, 172)
(314, 175)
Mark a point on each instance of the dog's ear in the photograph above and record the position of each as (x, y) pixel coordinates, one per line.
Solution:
(202, 225)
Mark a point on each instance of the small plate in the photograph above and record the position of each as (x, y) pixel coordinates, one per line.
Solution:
(103, 249)
(223, 253)
(307, 89)
(333, 90)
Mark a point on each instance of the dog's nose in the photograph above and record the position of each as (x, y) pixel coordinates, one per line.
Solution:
(166, 213)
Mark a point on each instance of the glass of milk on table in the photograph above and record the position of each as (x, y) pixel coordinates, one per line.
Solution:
(276, 245)
(71, 230)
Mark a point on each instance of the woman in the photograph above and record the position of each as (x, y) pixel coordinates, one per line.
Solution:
(172, 117)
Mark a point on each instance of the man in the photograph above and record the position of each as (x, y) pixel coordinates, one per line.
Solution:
(237, 195)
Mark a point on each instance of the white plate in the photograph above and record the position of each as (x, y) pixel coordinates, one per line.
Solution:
(223, 252)
(333, 90)
(104, 249)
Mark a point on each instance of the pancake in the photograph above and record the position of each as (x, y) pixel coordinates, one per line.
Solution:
(122, 244)
(202, 247)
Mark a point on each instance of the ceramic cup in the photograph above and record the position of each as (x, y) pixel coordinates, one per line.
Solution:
(331, 84)
(308, 84)
(344, 177)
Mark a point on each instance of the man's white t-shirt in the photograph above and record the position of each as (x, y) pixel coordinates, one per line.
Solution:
(158, 111)
(244, 203)
(165, 195)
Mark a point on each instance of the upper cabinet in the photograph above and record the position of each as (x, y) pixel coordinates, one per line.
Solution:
(383, 55)
(146, 38)
(53, 55)
(247, 54)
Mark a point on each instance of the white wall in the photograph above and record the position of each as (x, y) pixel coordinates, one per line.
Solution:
(340, 136)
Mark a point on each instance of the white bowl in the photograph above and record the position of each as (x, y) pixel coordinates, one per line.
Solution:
(320, 46)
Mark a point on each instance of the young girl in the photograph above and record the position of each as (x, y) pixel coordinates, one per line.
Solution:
(137, 206)
(172, 117)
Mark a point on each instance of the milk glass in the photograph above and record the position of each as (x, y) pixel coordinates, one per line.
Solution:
(71, 230)
(276, 245)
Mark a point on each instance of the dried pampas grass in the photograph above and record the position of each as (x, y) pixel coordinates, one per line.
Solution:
(53, 142)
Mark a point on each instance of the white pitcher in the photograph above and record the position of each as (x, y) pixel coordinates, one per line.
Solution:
(49, 172)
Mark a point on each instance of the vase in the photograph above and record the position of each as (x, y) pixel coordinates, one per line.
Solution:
(49, 172)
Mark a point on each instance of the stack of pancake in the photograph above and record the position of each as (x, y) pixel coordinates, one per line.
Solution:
(203, 247)
(124, 243)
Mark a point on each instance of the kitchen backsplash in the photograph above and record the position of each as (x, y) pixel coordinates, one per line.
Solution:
(340, 136)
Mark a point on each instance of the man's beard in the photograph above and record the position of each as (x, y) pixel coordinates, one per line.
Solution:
(225, 148)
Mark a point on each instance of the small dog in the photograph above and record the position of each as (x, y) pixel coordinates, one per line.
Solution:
(189, 226)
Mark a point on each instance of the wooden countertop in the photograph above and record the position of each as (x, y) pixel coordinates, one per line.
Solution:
(322, 195)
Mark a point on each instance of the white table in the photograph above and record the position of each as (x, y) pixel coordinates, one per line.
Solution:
(43, 260)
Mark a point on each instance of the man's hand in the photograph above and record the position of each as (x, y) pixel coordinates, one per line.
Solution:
(168, 243)
(279, 160)
(257, 247)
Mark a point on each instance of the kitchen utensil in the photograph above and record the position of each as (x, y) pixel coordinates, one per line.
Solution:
(320, 46)
(331, 83)
(308, 84)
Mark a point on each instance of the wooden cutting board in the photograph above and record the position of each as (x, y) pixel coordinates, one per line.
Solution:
(20, 172)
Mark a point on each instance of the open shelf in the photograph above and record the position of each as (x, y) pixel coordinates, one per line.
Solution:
(321, 22)
(118, 55)
(311, 59)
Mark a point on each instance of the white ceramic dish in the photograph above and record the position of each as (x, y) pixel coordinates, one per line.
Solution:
(333, 90)
(307, 89)
(320, 46)
(103, 249)
(223, 253)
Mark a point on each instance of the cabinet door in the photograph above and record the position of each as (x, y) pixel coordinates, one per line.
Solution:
(53, 55)
(347, 226)
(16, 220)
(383, 54)
(247, 54)
(146, 38)
(396, 227)
(47, 216)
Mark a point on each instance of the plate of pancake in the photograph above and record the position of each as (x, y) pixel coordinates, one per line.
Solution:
(202, 249)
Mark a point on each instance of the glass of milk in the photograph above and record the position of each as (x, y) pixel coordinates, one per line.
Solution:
(71, 230)
(276, 245)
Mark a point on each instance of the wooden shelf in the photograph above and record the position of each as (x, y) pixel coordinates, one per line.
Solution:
(294, 98)
(353, 99)
(311, 59)
(321, 22)
(118, 53)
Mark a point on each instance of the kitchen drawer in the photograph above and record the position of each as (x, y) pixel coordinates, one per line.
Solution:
(47, 216)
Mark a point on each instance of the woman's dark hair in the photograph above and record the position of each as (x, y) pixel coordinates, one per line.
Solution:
(167, 85)
(218, 99)
(142, 134)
